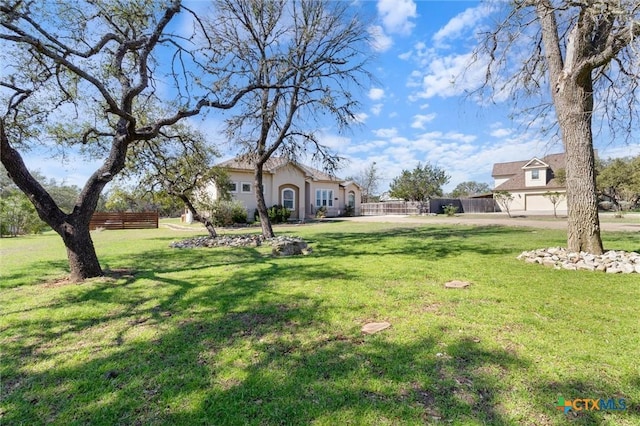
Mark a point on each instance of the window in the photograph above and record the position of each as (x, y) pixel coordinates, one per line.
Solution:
(352, 199)
(245, 187)
(288, 199)
(233, 187)
(535, 174)
(324, 198)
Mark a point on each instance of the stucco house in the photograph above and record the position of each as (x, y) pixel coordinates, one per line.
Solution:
(529, 180)
(300, 188)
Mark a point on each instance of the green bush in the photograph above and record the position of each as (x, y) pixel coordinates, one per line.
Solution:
(226, 213)
(450, 209)
(321, 212)
(349, 211)
(18, 216)
(278, 213)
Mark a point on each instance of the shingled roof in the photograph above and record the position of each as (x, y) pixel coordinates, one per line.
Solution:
(514, 170)
(275, 163)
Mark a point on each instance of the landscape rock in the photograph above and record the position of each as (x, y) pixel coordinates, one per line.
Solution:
(289, 247)
(611, 262)
(282, 245)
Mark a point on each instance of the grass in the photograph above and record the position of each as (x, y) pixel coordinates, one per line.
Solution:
(235, 336)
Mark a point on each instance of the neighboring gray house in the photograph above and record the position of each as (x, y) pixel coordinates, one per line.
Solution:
(529, 180)
(300, 188)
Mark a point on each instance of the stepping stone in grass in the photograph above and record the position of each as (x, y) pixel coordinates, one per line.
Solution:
(457, 284)
(374, 327)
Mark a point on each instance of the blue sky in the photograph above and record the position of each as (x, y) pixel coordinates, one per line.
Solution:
(417, 111)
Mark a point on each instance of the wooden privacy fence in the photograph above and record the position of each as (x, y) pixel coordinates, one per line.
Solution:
(434, 206)
(124, 220)
(464, 205)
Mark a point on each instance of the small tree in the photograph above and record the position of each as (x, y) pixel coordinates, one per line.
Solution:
(368, 180)
(504, 200)
(556, 198)
(419, 184)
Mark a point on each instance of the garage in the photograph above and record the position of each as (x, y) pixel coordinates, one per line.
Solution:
(536, 202)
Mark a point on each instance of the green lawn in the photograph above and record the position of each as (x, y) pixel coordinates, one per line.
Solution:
(235, 336)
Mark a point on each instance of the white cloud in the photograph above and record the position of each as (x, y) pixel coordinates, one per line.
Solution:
(500, 133)
(376, 109)
(465, 20)
(406, 55)
(376, 94)
(419, 120)
(380, 42)
(386, 133)
(361, 117)
(396, 15)
(334, 141)
(448, 76)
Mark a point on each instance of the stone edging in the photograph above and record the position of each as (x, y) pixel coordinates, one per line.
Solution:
(611, 262)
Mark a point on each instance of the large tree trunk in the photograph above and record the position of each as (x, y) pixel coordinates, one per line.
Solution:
(574, 116)
(74, 227)
(265, 223)
(83, 260)
(572, 91)
(197, 216)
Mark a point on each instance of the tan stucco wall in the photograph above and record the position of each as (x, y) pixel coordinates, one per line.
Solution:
(292, 177)
(530, 182)
(288, 177)
(334, 210)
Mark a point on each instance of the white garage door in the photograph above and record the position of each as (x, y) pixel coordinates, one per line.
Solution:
(537, 202)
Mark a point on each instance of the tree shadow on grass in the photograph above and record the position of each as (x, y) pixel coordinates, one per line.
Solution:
(271, 363)
(434, 242)
(156, 347)
(547, 392)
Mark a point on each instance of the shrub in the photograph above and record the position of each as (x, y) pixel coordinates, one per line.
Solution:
(321, 212)
(225, 213)
(450, 209)
(278, 213)
(349, 211)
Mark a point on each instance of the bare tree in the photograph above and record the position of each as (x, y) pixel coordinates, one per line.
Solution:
(369, 180)
(80, 75)
(309, 56)
(586, 55)
(556, 198)
(504, 200)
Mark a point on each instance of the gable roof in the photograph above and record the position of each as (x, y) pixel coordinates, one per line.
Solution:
(516, 169)
(272, 165)
(535, 163)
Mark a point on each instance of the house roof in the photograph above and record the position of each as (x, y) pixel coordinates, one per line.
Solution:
(275, 163)
(535, 163)
(515, 171)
